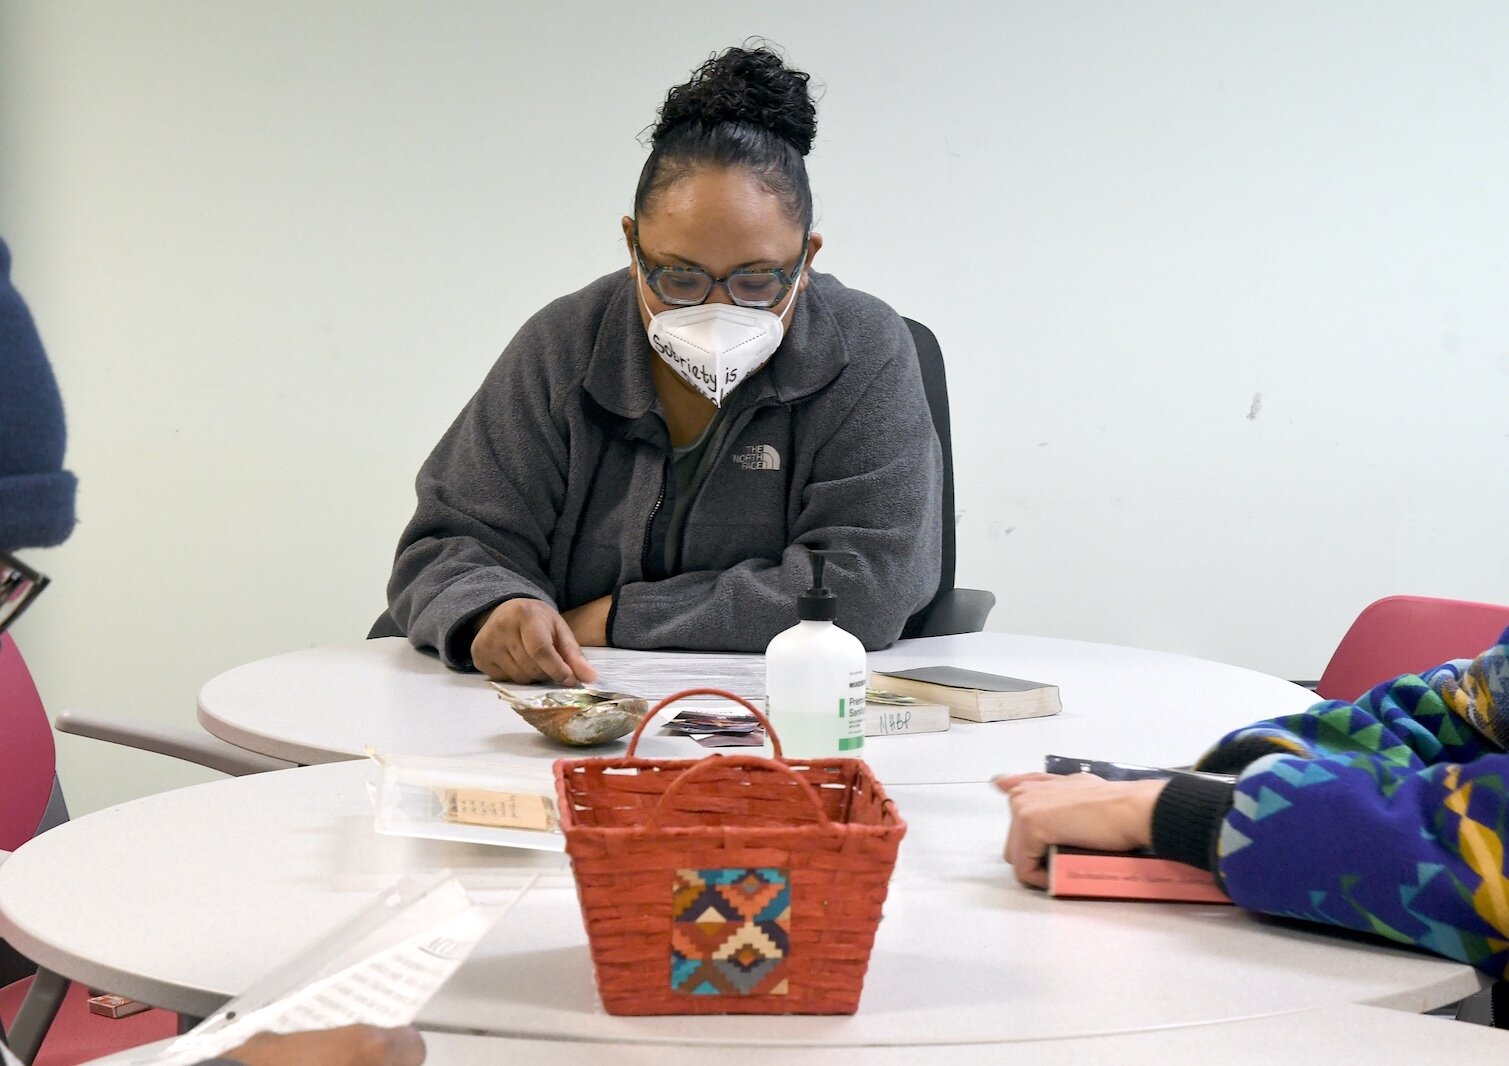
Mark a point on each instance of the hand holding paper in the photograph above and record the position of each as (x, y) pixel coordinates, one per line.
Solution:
(352, 1045)
(374, 973)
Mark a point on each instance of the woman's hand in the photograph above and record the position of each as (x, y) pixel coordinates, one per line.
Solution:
(352, 1045)
(1079, 810)
(525, 640)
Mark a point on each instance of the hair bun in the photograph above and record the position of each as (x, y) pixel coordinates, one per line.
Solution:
(747, 85)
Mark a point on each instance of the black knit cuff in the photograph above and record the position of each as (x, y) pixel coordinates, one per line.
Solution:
(1187, 819)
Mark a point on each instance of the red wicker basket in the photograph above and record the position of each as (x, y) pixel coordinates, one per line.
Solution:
(731, 884)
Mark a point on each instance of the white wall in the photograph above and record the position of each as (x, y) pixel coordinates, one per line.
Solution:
(273, 247)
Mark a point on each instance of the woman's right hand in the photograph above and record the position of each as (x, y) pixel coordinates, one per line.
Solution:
(525, 641)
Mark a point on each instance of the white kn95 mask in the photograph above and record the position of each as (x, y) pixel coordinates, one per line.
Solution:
(714, 347)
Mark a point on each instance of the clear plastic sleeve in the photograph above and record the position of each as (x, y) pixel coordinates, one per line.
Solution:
(510, 804)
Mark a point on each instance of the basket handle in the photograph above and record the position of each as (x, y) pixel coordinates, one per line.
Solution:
(775, 741)
(710, 763)
(713, 763)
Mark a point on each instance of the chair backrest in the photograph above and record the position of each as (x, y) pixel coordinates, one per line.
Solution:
(935, 385)
(1405, 635)
(28, 759)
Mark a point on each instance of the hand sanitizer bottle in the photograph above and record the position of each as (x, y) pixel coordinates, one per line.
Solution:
(815, 679)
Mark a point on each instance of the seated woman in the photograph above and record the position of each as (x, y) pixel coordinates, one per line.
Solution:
(1388, 815)
(650, 460)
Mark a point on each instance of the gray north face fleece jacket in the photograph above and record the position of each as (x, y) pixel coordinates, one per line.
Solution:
(554, 482)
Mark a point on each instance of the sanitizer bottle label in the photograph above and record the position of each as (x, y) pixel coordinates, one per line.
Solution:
(851, 709)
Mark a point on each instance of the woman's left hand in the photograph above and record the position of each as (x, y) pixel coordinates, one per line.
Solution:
(352, 1045)
(589, 622)
(1079, 810)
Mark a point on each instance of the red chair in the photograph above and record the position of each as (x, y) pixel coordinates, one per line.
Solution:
(1405, 635)
(30, 802)
(27, 756)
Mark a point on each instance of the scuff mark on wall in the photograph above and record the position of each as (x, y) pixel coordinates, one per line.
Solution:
(1257, 405)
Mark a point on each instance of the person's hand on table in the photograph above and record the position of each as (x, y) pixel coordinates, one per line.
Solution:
(351, 1045)
(526, 641)
(1078, 810)
(589, 622)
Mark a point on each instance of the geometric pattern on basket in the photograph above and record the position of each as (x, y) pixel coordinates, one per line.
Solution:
(730, 928)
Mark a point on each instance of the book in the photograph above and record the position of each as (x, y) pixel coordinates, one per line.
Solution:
(1084, 873)
(1080, 873)
(971, 695)
(111, 1006)
(889, 714)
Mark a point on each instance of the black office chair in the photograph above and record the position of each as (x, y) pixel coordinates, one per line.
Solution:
(951, 610)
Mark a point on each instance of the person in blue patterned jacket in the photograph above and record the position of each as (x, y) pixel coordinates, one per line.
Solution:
(1388, 815)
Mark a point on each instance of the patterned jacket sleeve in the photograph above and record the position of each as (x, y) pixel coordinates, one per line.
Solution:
(1388, 815)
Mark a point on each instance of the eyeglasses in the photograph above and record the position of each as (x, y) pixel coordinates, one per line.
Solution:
(19, 585)
(688, 286)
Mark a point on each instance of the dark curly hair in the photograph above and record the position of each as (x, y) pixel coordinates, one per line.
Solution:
(743, 107)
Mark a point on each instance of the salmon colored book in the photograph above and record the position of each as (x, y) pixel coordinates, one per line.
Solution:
(1083, 873)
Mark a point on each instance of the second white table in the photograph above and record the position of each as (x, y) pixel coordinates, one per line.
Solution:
(212, 886)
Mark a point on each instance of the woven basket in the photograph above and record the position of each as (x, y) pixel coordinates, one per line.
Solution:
(731, 884)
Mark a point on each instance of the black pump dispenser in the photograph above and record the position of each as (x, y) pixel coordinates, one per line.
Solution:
(818, 604)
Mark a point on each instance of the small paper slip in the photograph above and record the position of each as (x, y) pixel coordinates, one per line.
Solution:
(505, 802)
(506, 810)
(380, 968)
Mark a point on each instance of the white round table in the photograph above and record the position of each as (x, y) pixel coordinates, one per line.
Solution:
(1378, 1036)
(182, 899)
(330, 703)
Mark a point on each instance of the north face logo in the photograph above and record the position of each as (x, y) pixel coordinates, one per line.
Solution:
(758, 457)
